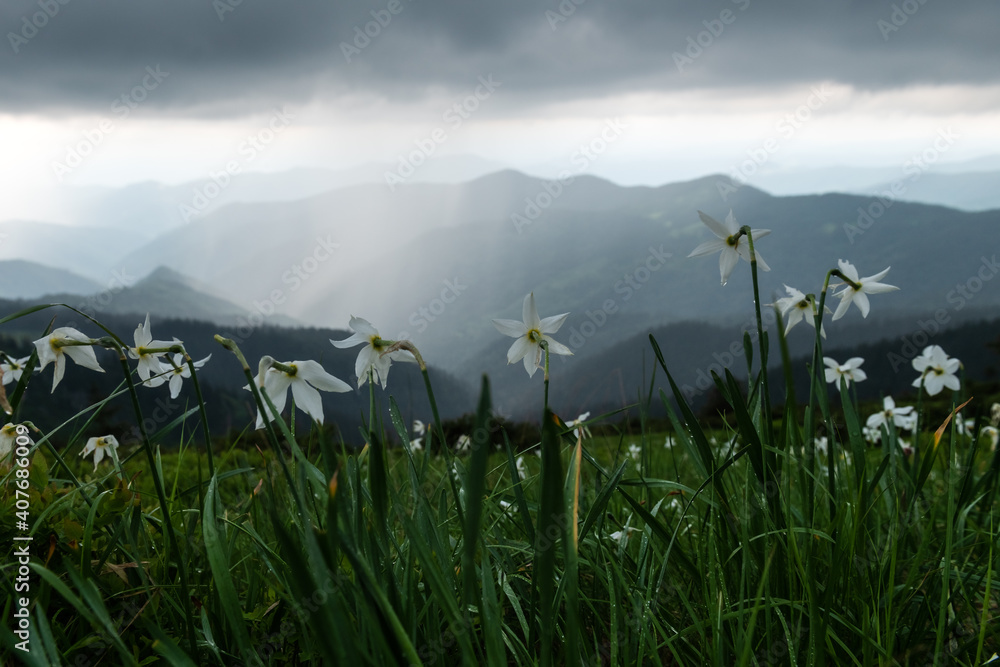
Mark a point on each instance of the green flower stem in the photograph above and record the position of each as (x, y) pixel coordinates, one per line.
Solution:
(284, 368)
(204, 415)
(766, 395)
(916, 434)
(545, 346)
(172, 349)
(268, 423)
(65, 342)
(823, 397)
(172, 546)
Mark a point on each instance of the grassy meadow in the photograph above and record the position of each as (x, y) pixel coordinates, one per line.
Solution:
(784, 534)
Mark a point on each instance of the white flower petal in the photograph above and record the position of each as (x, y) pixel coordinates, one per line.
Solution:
(351, 341)
(521, 347)
(529, 313)
(313, 373)
(727, 262)
(308, 399)
(556, 347)
(511, 328)
(708, 247)
(550, 325)
(717, 227)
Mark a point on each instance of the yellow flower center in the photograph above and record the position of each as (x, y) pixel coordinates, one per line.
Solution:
(732, 241)
(534, 335)
(802, 304)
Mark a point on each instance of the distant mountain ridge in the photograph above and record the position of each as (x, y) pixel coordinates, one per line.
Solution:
(22, 279)
(163, 293)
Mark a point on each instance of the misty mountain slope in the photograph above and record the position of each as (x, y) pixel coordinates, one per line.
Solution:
(976, 191)
(91, 252)
(249, 251)
(437, 262)
(163, 293)
(20, 279)
(579, 261)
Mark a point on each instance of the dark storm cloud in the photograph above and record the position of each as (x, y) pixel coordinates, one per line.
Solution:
(227, 56)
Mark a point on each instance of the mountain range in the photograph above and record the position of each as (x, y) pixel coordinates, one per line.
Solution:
(435, 262)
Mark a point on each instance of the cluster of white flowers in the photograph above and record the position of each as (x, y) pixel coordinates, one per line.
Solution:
(936, 370)
(65, 342)
(305, 377)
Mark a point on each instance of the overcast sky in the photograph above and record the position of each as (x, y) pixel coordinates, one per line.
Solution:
(172, 90)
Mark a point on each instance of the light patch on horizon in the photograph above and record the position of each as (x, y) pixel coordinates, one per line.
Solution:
(668, 136)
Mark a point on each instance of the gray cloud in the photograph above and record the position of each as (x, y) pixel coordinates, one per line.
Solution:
(81, 55)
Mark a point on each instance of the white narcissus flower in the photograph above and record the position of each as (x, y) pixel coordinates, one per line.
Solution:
(416, 444)
(372, 356)
(50, 350)
(576, 425)
(418, 427)
(463, 444)
(13, 369)
(731, 247)
(964, 426)
(634, 451)
(822, 444)
(99, 446)
(902, 417)
(150, 367)
(937, 370)
(992, 433)
(304, 377)
(859, 297)
(530, 333)
(179, 370)
(9, 434)
(849, 370)
(796, 307)
(522, 467)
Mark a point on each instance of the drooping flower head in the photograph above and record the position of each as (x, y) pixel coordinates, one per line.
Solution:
(63, 342)
(9, 434)
(849, 371)
(373, 356)
(937, 370)
(732, 245)
(178, 371)
(150, 367)
(859, 295)
(100, 446)
(522, 467)
(530, 333)
(797, 307)
(304, 377)
(576, 425)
